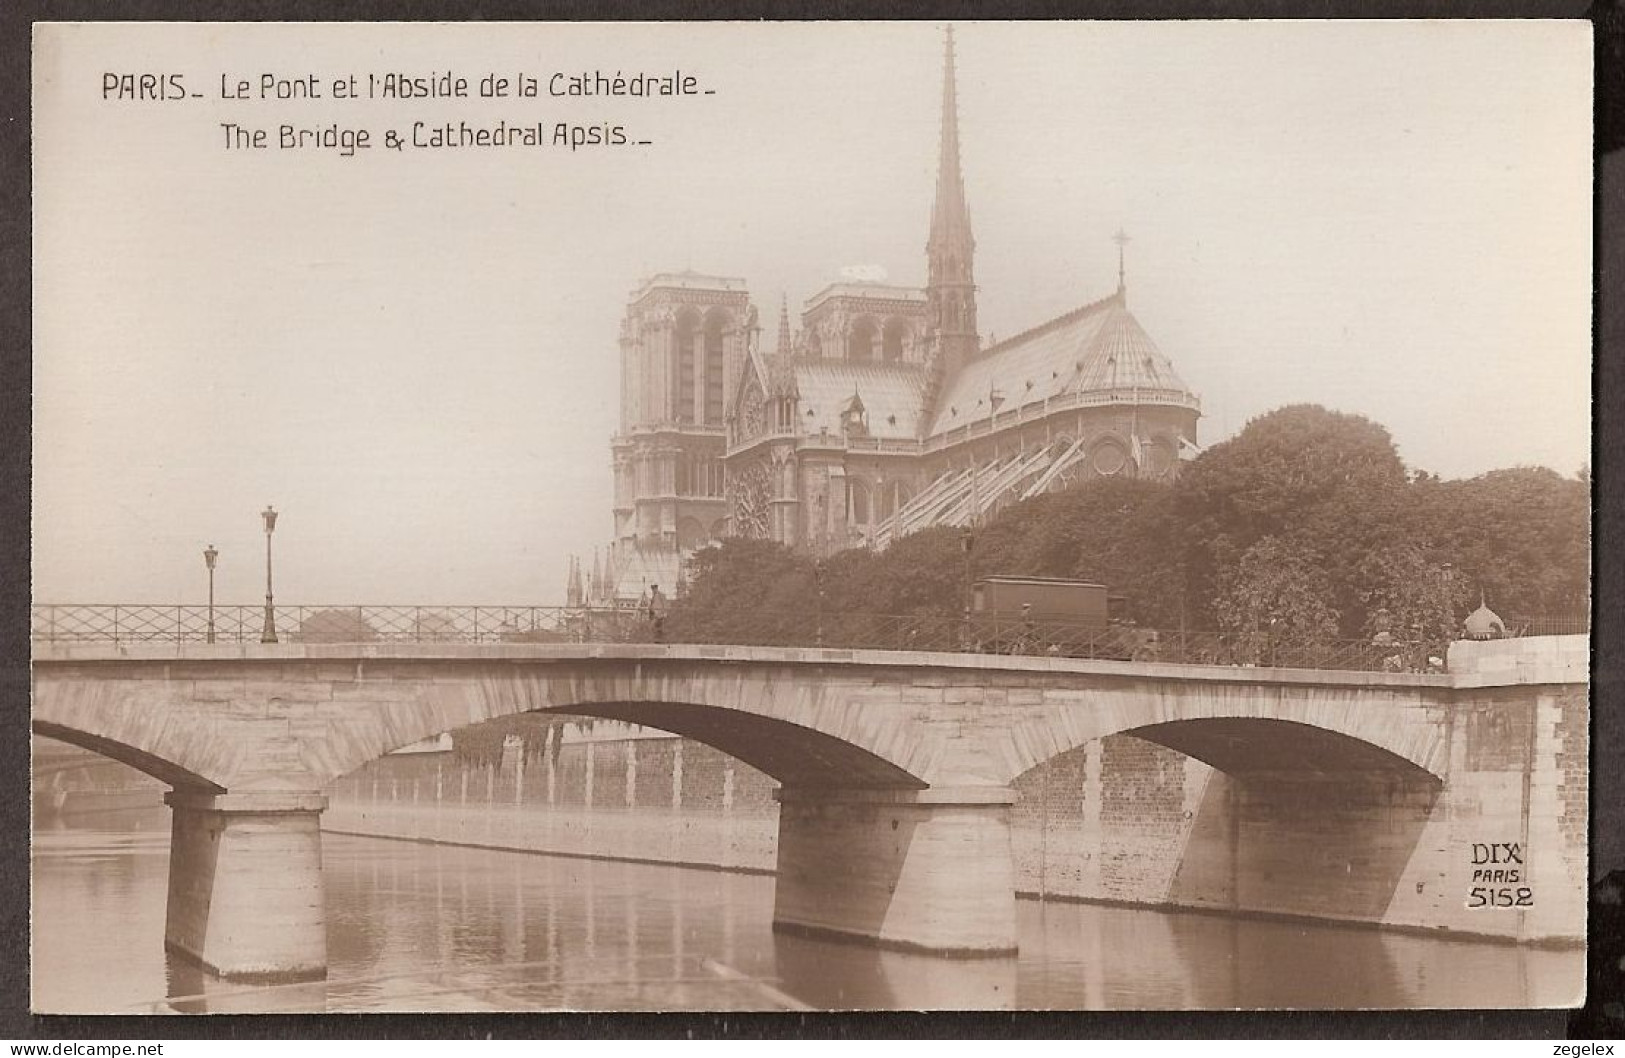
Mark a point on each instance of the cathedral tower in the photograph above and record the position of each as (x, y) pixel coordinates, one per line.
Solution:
(951, 282)
(678, 339)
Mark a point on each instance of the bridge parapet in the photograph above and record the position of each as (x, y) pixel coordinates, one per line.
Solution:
(979, 634)
(49, 653)
(1524, 660)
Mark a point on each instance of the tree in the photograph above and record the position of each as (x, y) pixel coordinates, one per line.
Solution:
(1329, 484)
(335, 626)
(921, 574)
(1522, 536)
(746, 591)
(1411, 595)
(1275, 596)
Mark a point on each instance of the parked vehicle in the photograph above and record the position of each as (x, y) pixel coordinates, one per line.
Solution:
(1050, 615)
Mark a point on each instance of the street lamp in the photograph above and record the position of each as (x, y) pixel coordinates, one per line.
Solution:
(268, 635)
(818, 587)
(967, 547)
(209, 555)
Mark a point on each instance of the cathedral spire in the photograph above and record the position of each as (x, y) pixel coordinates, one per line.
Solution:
(784, 325)
(950, 282)
(572, 590)
(950, 220)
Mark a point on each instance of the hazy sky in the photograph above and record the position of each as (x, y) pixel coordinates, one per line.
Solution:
(413, 354)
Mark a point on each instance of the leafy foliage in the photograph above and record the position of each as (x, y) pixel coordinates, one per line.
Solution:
(1411, 596)
(1305, 523)
(749, 590)
(1277, 593)
(1326, 484)
(1521, 536)
(335, 626)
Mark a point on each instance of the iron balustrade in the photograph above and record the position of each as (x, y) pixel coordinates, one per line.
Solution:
(136, 623)
(985, 633)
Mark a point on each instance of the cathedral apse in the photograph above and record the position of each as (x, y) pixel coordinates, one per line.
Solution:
(876, 411)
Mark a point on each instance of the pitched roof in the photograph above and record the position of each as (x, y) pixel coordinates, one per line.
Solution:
(1099, 348)
(635, 569)
(893, 395)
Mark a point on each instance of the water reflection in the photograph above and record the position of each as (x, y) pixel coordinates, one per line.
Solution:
(421, 927)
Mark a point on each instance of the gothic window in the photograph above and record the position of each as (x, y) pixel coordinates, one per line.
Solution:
(887, 500)
(1108, 458)
(751, 496)
(858, 501)
(891, 340)
(1159, 456)
(713, 477)
(860, 344)
(683, 385)
(750, 412)
(716, 323)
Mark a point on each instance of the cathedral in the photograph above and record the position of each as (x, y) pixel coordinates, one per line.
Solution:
(880, 414)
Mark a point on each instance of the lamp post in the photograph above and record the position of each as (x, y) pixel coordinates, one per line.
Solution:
(818, 587)
(967, 547)
(209, 555)
(268, 635)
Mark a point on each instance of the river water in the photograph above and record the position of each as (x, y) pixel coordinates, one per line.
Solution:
(418, 927)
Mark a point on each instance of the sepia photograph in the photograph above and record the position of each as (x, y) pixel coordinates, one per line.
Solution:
(1083, 516)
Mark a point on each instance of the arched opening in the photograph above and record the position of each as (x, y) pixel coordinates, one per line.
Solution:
(885, 500)
(717, 324)
(690, 534)
(165, 771)
(862, 340)
(857, 502)
(891, 341)
(1159, 456)
(789, 754)
(688, 339)
(70, 784)
(581, 784)
(1241, 814)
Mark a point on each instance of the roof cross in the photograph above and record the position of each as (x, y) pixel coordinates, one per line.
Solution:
(1122, 240)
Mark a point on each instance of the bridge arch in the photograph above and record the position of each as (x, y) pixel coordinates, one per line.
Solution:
(1240, 726)
(792, 754)
(146, 761)
(800, 732)
(1243, 746)
(1229, 813)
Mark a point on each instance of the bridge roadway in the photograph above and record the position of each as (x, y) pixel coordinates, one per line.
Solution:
(1357, 795)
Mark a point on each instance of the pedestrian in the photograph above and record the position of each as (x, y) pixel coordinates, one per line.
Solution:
(657, 612)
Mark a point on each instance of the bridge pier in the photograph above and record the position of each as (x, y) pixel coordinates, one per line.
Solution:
(245, 884)
(922, 870)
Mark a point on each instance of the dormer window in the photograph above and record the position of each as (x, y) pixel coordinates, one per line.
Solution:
(854, 417)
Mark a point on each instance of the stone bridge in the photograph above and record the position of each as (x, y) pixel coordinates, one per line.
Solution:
(1395, 797)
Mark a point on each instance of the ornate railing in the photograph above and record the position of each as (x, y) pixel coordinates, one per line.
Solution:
(985, 633)
(1012, 635)
(127, 623)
